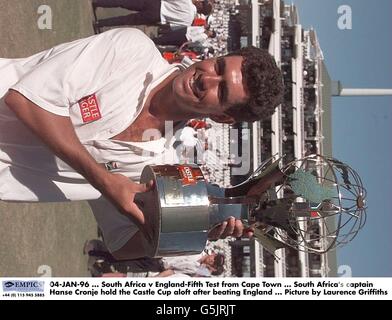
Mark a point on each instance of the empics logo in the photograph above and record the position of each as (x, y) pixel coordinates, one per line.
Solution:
(8, 284)
(23, 286)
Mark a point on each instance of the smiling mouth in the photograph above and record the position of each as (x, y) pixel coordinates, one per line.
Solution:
(192, 85)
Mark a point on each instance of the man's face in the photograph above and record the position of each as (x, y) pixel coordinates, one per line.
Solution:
(210, 260)
(201, 5)
(211, 86)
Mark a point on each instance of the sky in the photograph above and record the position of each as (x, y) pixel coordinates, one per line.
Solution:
(361, 126)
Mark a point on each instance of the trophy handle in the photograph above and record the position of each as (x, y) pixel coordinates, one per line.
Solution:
(255, 186)
(236, 201)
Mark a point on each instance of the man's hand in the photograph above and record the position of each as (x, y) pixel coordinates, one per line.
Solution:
(231, 227)
(121, 191)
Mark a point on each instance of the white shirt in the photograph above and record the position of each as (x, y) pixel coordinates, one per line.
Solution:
(120, 67)
(196, 34)
(178, 12)
(188, 137)
(186, 264)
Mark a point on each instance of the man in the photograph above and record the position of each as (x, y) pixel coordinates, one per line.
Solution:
(93, 106)
(150, 12)
(199, 265)
(202, 265)
(102, 263)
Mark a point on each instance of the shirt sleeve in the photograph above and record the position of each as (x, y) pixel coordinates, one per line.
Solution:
(71, 71)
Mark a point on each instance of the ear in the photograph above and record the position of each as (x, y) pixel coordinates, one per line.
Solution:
(222, 118)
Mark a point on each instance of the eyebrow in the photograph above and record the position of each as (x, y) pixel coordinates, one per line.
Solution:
(222, 67)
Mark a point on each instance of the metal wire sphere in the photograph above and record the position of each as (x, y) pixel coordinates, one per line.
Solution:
(331, 222)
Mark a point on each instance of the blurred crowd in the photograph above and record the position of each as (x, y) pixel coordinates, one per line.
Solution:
(200, 33)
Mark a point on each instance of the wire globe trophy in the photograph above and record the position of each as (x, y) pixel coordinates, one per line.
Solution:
(318, 205)
(314, 204)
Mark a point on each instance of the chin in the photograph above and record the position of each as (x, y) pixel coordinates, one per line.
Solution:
(180, 94)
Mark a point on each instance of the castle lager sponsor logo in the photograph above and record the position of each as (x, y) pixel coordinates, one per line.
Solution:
(23, 286)
(89, 109)
(187, 175)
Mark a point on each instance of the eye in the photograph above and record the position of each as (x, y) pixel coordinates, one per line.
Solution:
(217, 67)
(221, 92)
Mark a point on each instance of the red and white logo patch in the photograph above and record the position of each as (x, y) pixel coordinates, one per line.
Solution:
(187, 175)
(89, 108)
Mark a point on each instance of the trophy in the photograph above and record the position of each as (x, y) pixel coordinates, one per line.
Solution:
(315, 204)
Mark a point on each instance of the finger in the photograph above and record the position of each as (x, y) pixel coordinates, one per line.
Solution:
(150, 184)
(137, 217)
(248, 232)
(216, 232)
(136, 214)
(144, 187)
(229, 228)
(238, 228)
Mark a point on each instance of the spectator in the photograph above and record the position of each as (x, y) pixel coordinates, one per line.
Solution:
(151, 12)
(183, 35)
(101, 263)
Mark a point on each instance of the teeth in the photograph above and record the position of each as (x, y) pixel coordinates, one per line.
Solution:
(192, 81)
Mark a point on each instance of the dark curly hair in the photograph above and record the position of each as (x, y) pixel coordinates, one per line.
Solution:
(219, 263)
(264, 83)
(204, 6)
